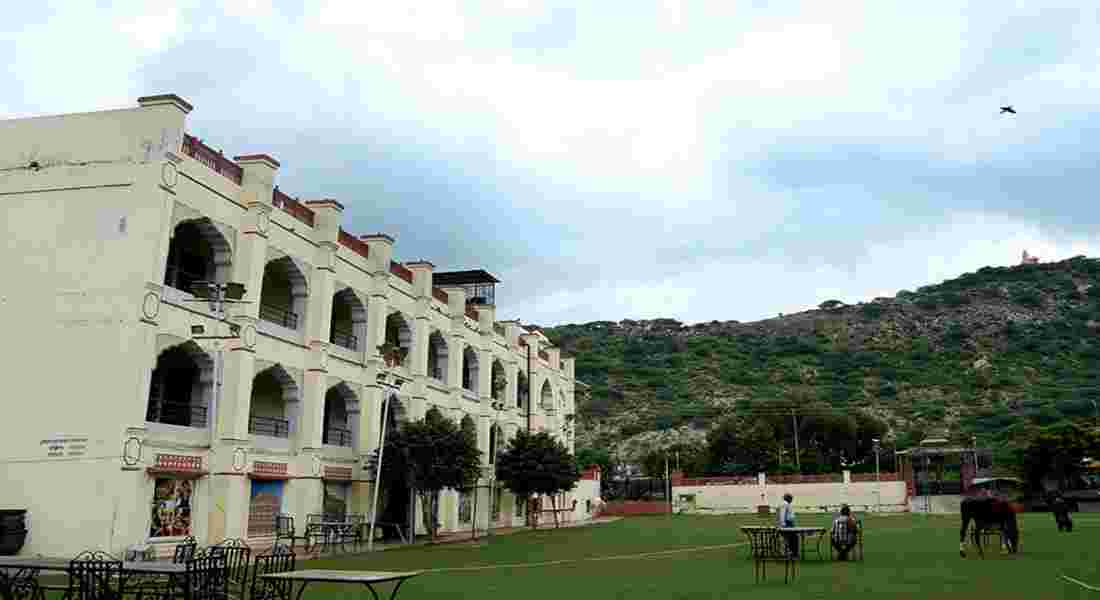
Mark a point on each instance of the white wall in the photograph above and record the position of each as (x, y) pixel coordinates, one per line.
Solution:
(808, 497)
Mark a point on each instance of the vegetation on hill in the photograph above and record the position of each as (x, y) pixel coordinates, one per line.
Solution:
(994, 354)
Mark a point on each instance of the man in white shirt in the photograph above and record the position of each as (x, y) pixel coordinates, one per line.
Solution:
(786, 519)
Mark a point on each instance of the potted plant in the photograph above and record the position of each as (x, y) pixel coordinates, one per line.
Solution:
(392, 353)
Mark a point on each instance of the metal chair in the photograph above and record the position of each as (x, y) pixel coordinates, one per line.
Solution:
(205, 578)
(768, 545)
(95, 575)
(185, 550)
(857, 550)
(237, 555)
(284, 530)
(279, 559)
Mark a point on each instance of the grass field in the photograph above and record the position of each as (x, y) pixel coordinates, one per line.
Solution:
(907, 556)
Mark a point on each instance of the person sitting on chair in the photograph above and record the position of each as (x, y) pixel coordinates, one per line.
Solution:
(844, 533)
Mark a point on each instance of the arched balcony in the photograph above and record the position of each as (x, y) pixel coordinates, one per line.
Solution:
(274, 399)
(397, 346)
(341, 404)
(197, 251)
(523, 390)
(181, 387)
(546, 399)
(470, 370)
(349, 320)
(499, 381)
(283, 295)
(437, 357)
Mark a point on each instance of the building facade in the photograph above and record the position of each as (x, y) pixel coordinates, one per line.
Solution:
(139, 412)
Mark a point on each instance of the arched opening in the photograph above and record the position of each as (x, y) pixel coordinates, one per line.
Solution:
(197, 251)
(546, 401)
(466, 496)
(269, 413)
(494, 443)
(437, 357)
(283, 295)
(398, 343)
(469, 369)
(499, 381)
(349, 320)
(180, 387)
(523, 390)
(336, 429)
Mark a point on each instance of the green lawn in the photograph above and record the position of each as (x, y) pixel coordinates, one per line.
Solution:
(907, 556)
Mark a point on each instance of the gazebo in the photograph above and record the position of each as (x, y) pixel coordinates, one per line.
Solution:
(937, 468)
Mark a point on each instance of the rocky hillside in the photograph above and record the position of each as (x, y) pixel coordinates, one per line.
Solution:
(984, 354)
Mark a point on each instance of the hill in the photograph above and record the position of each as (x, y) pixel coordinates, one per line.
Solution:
(986, 354)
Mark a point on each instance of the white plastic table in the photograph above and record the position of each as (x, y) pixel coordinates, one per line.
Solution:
(352, 577)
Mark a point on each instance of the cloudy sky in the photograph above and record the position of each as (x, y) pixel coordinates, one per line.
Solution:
(606, 160)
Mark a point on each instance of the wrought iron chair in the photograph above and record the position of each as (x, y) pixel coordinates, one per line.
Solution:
(284, 530)
(22, 584)
(185, 550)
(768, 545)
(857, 550)
(237, 555)
(206, 577)
(95, 575)
(356, 532)
(279, 559)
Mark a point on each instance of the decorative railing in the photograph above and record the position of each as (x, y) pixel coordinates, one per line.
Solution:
(399, 269)
(180, 279)
(279, 316)
(215, 161)
(345, 339)
(269, 426)
(334, 436)
(354, 244)
(292, 207)
(440, 295)
(176, 413)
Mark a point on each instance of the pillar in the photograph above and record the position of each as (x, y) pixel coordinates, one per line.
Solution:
(308, 435)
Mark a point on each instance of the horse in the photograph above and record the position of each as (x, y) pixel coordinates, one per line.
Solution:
(988, 513)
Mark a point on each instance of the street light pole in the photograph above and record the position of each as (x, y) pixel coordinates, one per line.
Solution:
(878, 481)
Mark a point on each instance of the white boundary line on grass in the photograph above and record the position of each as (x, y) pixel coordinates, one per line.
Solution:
(593, 559)
(1081, 583)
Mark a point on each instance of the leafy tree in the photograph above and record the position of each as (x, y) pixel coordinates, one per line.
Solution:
(1058, 451)
(830, 305)
(430, 455)
(586, 457)
(536, 463)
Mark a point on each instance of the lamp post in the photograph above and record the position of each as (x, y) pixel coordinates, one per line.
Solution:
(494, 447)
(376, 464)
(217, 294)
(878, 482)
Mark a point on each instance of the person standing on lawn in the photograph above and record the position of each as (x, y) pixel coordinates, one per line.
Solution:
(844, 533)
(786, 519)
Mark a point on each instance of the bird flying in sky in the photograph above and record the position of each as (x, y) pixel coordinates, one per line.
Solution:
(1007, 109)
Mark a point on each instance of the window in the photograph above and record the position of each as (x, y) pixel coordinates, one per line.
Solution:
(266, 502)
(171, 508)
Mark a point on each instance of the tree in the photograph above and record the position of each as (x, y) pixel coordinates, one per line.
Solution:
(536, 463)
(430, 455)
(586, 457)
(1058, 451)
(830, 305)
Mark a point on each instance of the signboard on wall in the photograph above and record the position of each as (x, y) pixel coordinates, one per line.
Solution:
(65, 446)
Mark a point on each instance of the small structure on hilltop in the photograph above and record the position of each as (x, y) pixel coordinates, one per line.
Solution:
(937, 469)
(1029, 260)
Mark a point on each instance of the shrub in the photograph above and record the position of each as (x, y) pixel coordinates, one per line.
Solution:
(871, 311)
(1027, 297)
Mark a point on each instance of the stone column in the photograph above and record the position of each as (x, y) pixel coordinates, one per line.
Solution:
(381, 251)
(308, 436)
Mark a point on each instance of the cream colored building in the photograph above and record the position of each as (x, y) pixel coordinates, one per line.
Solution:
(115, 428)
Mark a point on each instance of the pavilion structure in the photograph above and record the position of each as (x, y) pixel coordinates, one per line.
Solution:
(937, 468)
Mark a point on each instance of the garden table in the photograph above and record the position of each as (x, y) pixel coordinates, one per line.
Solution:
(806, 532)
(16, 568)
(348, 577)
